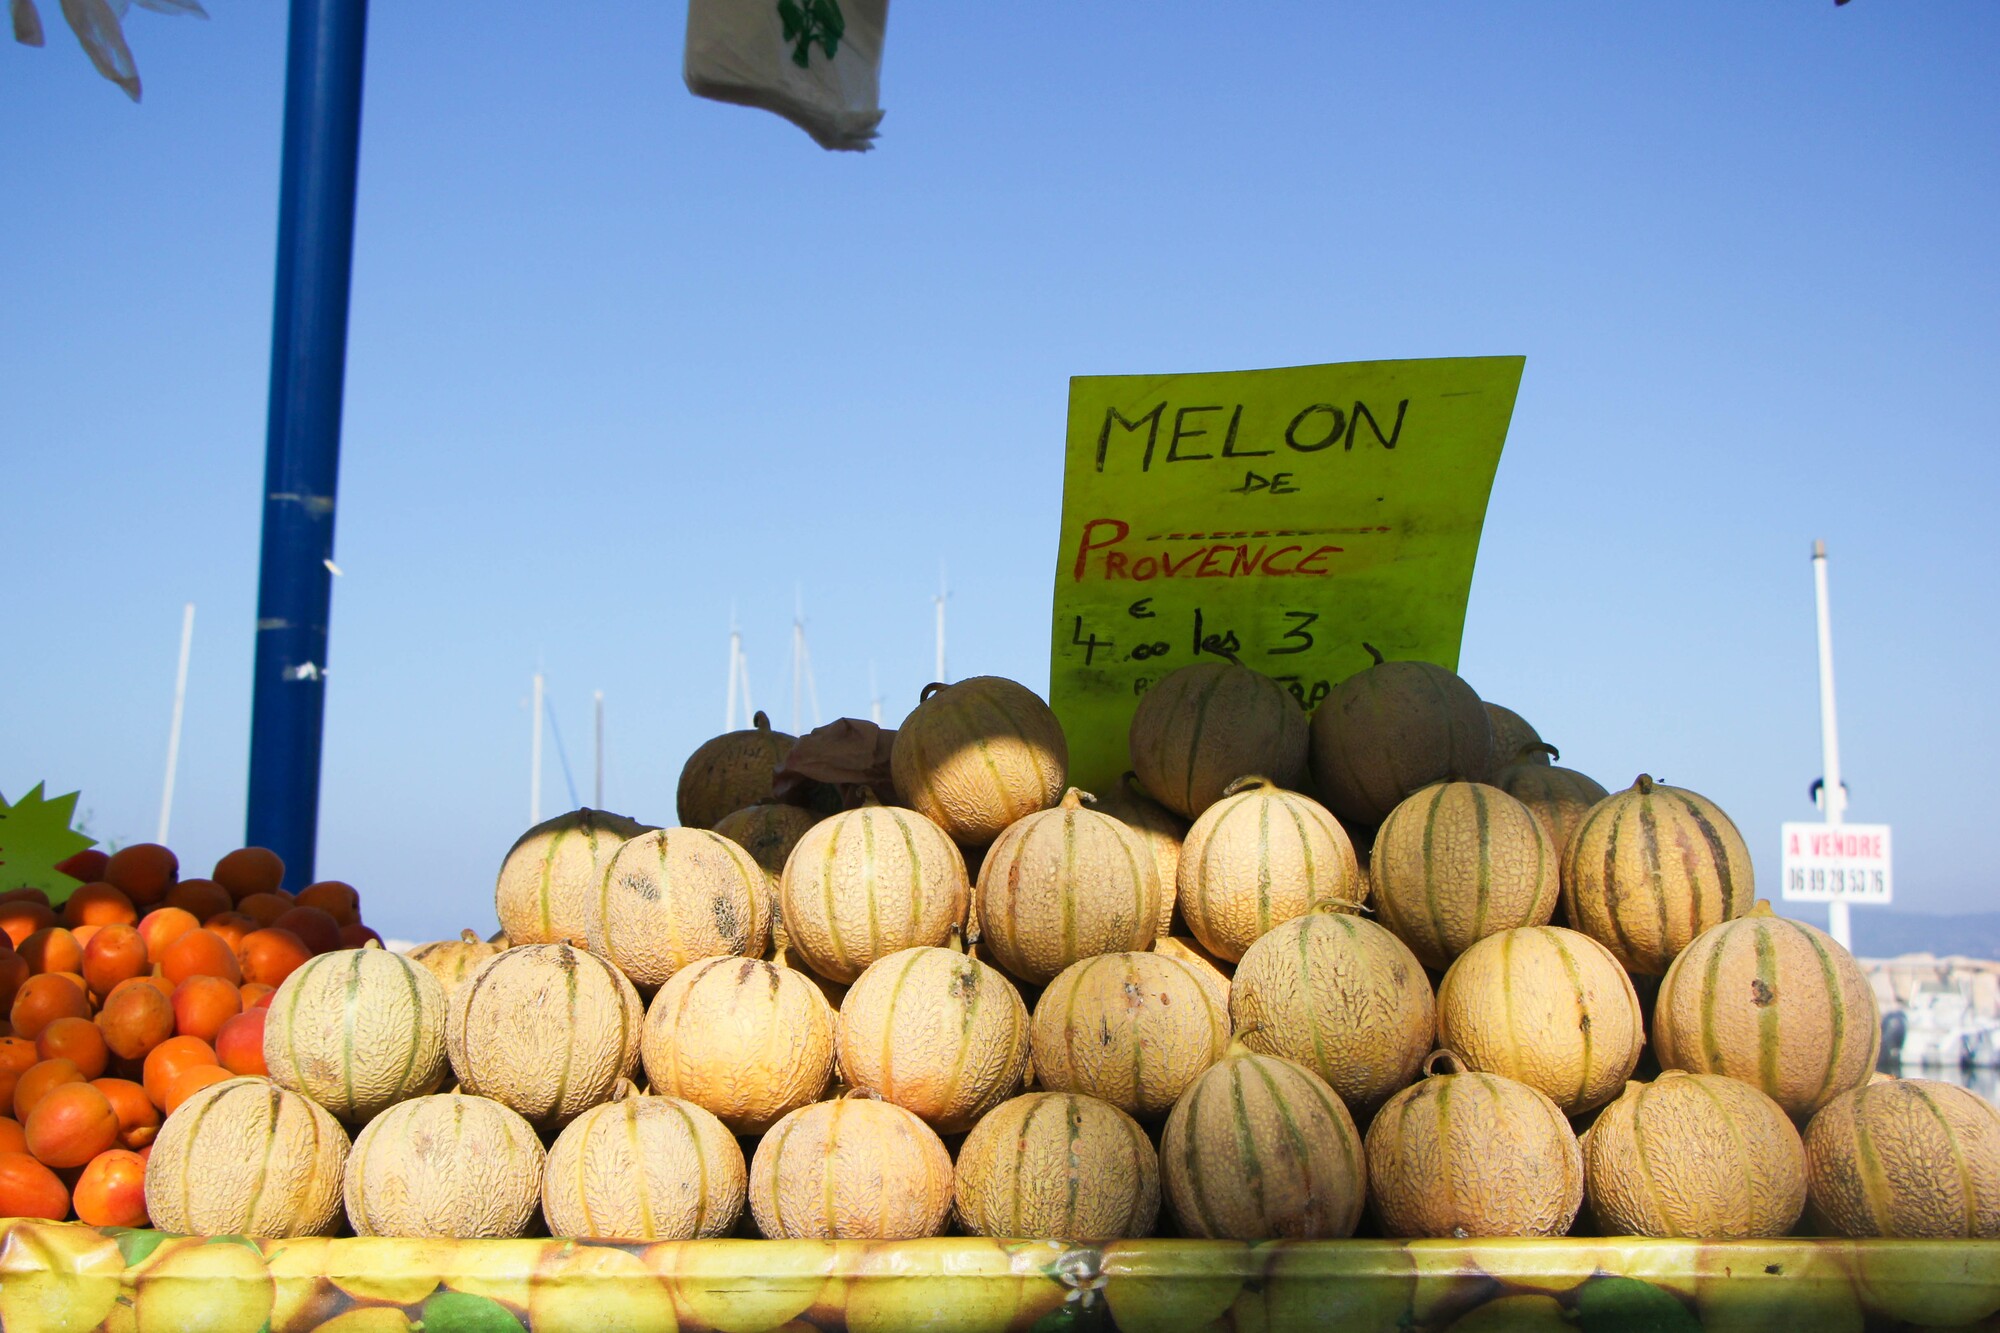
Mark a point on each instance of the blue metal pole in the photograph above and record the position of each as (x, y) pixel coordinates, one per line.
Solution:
(302, 441)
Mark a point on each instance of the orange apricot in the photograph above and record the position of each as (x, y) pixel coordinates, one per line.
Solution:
(264, 908)
(168, 1061)
(231, 926)
(13, 971)
(145, 871)
(86, 865)
(162, 926)
(52, 949)
(114, 954)
(77, 1040)
(111, 1192)
(357, 936)
(254, 993)
(42, 1000)
(200, 898)
(239, 1046)
(29, 1189)
(39, 1081)
(200, 953)
(263, 1001)
(190, 1081)
(320, 932)
(71, 1125)
(17, 1057)
(202, 1004)
(25, 894)
(269, 956)
(22, 917)
(138, 1118)
(12, 1137)
(99, 904)
(249, 870)
(135, 1018)
(334, 897)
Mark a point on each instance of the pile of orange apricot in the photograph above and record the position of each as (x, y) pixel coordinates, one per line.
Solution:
(138, 990)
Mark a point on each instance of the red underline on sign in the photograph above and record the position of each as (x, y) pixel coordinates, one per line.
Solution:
(1274, 532)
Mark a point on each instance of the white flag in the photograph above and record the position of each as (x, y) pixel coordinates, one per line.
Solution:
(817, 63)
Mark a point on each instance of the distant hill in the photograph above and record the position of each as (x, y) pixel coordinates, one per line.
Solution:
(1884, 933)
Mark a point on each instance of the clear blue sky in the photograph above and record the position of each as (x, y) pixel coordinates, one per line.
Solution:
(621, 359)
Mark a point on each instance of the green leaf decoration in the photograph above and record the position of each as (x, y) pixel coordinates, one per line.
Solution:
(810, 23)
(35, 837)
(1627, 1305)
(458, 1312)
(135, 1244)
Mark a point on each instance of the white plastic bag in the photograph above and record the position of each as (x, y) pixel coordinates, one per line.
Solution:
(817, 63)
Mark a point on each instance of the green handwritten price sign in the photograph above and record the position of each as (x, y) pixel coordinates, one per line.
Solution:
(1276, 518)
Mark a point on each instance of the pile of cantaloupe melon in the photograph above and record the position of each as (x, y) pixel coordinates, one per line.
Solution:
(1383, 968)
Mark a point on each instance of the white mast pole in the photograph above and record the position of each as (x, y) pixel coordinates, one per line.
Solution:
(1833, 796)
(535, 757)
(597, 785)
(174, 730)
(798, 658)
(874, 697)
(735, 671)
(942, 591)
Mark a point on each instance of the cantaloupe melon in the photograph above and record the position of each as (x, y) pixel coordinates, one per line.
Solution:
(1260, 1148)
(935, 1032)
(452, 961)
(1342, 996)
(450, 1165)
(1202, 726)
(546, 1030)
(245, 1157)
(1460, 1155)
(1259, 856)
(1650, 868)
(644, 1168)
(1391, 730)
(768, 832)
(1212, 972)
(866, 883)
(1774, 1002)
(1158, 827)
(547, 888)
(1065, 884)
(1908, 1158)
(978, 754)
(1547, 1007)
(1560, 797)
(854, 1168)
(1515, 740)
(746, 1039)
(357, 1031)
(674, 895)
(1694, 1155)
(1459, 861)
(1057, 1164)
(734, 770)
(1131, 1029)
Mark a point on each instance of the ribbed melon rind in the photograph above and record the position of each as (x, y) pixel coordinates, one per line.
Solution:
(1204, 725)
(674, 895)
(1062, 885)
(1057, 1164)
(748, 1040)
(1912, 1159)
(935, 1032)
(644, 1168)
(1260, 1148)
(1547, 1007)
(1130, 1029)
(850, 1169)
(1456, 862)
(865, 883)
(546, 1030)
(449, 1166)
(547, 887)
(1343, 997)
(1774, 1002)
(979, 754)
(246, 1157)
(357, 1031)
(1697, 1156)
(1258, 858)
(1473, 1155)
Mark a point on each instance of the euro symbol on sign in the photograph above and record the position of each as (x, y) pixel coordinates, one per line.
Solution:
(1141, 609)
